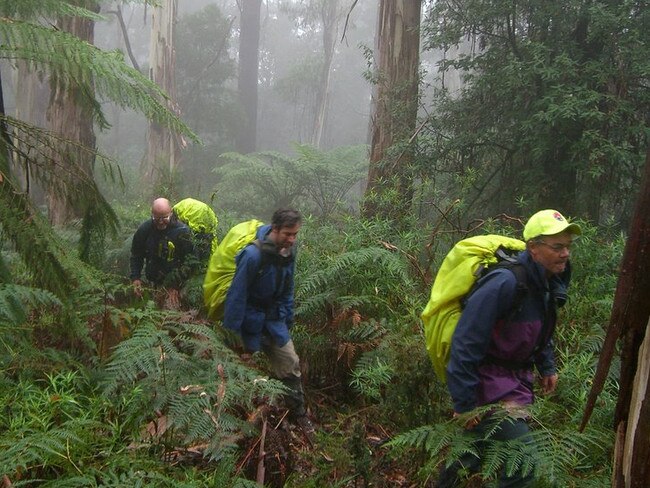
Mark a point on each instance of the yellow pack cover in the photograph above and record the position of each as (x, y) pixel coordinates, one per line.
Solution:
(458, 272)
(221, 268)
(199, 217)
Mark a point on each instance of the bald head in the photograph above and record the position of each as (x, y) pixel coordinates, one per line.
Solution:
(161, 213)
(161, 206)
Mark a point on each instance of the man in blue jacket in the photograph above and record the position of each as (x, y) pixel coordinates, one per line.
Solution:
(259, 304)
(501, 339)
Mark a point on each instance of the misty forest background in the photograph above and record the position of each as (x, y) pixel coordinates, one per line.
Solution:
(397, 128)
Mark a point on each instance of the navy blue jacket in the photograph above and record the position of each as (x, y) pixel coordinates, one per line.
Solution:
(494, 347)
(168, 254)
(260, 298)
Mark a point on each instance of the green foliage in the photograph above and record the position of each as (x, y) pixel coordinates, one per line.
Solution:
(314, 181)
(47, 8)
(17, 301)
(61, 432)
(185, 371)
(203, 68)
(370, 375)
(76, 63)
(173, 387)
(551, 106)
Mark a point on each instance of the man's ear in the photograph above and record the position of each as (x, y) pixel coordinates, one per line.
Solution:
(532, 247)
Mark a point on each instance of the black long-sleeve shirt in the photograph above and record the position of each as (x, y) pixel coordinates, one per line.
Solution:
(168, 254)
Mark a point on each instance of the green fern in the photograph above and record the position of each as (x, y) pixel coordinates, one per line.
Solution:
(316, 181)
(185, 371)
(349, 271)
(370, 375)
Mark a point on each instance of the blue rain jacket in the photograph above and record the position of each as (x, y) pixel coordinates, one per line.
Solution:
(260, 298)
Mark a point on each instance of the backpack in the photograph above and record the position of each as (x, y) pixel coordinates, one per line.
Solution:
(469, 260)
(199, 217)
(221, 268)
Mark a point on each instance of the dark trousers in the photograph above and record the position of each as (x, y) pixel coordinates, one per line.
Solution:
(508, 428)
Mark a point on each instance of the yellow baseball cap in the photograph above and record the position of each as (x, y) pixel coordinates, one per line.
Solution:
(548, 223)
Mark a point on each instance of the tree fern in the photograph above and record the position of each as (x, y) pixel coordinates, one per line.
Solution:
(315, 180)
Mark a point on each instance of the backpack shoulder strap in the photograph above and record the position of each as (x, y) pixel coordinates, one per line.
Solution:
(519, 270)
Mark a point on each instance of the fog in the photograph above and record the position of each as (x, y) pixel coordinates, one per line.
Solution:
(206, 49)
(289, 55)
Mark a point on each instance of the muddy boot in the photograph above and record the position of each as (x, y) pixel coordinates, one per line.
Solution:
(294, 400)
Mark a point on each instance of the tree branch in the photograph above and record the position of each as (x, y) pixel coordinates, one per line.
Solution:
(125, 35)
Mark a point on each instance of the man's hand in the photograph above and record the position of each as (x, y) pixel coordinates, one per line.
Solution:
(548, 383)
(137, 288)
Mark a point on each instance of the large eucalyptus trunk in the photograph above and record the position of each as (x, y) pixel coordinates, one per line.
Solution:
(70, 116)
(394, 108)
(249, 47)
(163, 145)
(329, 18)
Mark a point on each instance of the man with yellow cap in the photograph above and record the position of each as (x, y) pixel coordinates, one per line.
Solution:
(504, 334)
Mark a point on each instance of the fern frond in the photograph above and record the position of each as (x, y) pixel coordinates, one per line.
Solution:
(77, 63)
(366, 332)
(190, 375)
(430, 438)
(370, 374)
(16, 301)
(42, 447)
(28, 9)
(370, 260)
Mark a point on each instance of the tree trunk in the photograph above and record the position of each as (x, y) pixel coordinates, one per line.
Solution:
(32, 99)
(629, 321)
(634, 467)
(249, 41)
(394, 110)
(163, 145)
(70, 116)
(329, 18)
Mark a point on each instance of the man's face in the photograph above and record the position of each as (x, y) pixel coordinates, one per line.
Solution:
(161, 218)
(284, 237)
(552, 252)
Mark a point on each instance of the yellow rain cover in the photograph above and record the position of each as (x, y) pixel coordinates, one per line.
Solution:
(221, 268)
(457, 274)
(199, 217)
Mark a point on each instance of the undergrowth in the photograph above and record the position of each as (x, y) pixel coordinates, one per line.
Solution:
(105, 390)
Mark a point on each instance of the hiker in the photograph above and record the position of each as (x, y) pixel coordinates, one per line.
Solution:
(259, 305)
(163, 246)
(495, 347)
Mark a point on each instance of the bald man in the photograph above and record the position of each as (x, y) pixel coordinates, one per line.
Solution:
(163, 246)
